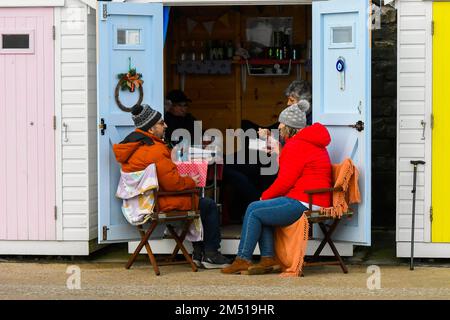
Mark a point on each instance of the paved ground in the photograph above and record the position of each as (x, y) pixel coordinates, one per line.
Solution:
(112, 281)
(103, 277)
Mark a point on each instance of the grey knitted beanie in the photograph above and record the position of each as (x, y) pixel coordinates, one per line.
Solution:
(294, 116)
(145, 117)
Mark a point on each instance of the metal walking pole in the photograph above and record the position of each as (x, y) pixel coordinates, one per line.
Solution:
(415, 163)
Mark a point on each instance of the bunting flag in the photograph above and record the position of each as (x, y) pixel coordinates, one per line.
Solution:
(209, 26)
(225, 20)
(191, 24)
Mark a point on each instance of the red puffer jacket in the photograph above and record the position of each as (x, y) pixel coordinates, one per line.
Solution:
(304, 164)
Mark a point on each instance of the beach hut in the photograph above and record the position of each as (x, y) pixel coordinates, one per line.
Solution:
(48, 161)
(63, 200)
(423, 100)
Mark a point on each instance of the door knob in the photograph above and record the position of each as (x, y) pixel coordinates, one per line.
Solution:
(358, 126)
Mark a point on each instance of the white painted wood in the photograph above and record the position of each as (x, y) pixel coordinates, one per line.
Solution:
(74, 166)
(56, 248)
(405, 234)
(74, 110)
(413, 106)
(230, 246)
(405, 207)
(73, 234)
(423, 250)
(31, 3)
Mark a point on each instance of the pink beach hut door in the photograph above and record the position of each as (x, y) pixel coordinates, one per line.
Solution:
(27, 144)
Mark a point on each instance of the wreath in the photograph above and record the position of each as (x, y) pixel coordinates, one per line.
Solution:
(129, 81)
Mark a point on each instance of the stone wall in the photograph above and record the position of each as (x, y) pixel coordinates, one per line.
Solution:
(384, 119)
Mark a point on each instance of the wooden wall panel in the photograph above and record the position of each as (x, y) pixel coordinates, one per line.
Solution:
(219, 100)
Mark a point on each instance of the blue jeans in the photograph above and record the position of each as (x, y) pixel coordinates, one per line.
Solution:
(259, 222)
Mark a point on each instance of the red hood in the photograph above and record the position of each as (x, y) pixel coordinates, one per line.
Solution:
(316, 134)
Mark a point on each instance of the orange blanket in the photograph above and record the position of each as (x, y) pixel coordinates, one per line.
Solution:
(290, 246)
(291, 241)
(345, 176)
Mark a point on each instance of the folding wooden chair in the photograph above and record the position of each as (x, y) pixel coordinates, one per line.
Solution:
(167, 218)
(315, 216)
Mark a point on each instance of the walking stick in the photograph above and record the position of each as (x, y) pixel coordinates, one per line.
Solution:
(415, 163)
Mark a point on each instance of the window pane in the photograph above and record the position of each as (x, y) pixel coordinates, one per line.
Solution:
(128, 37)
(342, 35)
(133, 37)
(121, 37)
(15, 41)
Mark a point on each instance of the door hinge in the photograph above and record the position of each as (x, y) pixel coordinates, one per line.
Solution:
(54, 32)
(431, 213)
(104, 11)
(432, 27)
(54, 122)
(432, 121)
(105, 233)
(102, 126)
(56, 213)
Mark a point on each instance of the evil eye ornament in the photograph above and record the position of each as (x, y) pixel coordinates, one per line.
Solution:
(340, 65)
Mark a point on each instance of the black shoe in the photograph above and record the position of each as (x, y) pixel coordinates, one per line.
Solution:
(215, 260)
(197, 257)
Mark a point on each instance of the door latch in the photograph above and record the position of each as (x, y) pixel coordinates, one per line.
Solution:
(424, 125)
(105, 233)
(358, 126)
(102, 126)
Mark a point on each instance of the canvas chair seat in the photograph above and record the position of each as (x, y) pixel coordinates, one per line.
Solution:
(133, 209)
(345, 181)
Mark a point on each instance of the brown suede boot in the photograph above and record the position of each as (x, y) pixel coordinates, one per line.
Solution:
(239, 266)
(265, 265)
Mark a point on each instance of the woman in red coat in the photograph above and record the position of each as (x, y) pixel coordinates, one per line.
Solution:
(304, 164)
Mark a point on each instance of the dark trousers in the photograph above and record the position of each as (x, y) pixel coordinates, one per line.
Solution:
(211, 226)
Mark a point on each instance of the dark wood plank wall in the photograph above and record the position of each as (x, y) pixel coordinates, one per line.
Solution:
(219, 100)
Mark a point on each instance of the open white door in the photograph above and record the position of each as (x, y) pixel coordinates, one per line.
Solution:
(342, 97)
(129, 34)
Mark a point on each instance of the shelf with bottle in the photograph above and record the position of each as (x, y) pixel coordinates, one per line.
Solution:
(199, 50)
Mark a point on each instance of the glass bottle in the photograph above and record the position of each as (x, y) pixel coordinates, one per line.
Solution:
(182, 52)
(193, 51)
(201, 52)
(230, 50)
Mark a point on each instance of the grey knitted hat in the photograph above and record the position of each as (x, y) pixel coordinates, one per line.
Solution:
(294, 116)
(145, 117)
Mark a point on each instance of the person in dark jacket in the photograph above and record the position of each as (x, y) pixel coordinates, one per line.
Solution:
(304, 164)
(177, 115)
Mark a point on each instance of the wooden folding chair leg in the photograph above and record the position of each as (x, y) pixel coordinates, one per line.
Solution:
(144, 242)
(326, 236)
(181, 246)
(151, 257)
(182, 237)
(327, 239)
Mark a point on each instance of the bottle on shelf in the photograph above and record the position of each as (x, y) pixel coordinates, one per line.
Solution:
(193, 51)
(230, 50)
(182, 51)
(201, 52)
